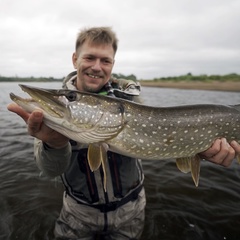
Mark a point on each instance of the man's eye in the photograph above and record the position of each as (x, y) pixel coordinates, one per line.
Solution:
(89, 58)
(106, 61)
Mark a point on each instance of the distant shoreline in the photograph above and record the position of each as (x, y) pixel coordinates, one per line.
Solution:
(233, 86)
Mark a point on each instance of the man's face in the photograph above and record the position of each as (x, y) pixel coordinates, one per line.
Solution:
(94, 65)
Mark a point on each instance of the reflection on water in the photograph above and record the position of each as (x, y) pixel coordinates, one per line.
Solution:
(175, 209)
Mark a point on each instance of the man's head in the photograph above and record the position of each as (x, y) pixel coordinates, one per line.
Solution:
(94, 57)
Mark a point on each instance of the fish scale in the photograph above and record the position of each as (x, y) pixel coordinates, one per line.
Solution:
(134, 130)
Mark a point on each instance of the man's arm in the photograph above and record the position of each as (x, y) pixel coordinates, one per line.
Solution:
(52, 162)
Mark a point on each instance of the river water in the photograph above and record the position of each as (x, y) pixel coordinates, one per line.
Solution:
(176, 209)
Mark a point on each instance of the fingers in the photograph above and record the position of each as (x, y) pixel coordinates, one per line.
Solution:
(225, 155)
(221, 152)
(236, 147)
(34, 120)
(13, 107)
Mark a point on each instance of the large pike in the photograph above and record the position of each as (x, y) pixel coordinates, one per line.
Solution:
(134, 130)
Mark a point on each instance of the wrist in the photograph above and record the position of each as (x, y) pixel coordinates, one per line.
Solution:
(48, 145)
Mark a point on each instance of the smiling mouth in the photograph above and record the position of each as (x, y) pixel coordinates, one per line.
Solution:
(93, 76)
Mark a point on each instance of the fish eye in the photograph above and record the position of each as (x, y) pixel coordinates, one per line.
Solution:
(71, 96)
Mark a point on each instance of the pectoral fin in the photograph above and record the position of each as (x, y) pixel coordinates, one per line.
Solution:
(94, 156)
(97, 155)
(190, 164)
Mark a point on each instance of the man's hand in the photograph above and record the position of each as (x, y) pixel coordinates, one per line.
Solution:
(38, 129)
(221, 152)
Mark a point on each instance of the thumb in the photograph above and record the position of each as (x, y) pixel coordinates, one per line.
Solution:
(34, 122)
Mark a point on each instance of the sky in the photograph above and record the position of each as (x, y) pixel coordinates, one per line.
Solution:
(157, 38)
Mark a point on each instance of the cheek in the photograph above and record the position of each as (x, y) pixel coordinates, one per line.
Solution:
(108, 71)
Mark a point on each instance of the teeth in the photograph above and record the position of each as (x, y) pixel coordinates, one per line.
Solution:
(93, 76)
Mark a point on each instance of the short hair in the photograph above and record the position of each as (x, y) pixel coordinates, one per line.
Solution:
(97, 35)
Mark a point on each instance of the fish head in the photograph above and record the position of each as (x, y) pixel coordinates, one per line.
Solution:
(83, 117)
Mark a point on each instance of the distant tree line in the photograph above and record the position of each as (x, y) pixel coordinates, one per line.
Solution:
(202, 78)
(29, 79)
(187, 77)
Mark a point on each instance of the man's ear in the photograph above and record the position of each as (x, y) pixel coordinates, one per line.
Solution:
(74, 60)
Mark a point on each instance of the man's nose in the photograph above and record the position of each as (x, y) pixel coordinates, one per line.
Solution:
(97, 65)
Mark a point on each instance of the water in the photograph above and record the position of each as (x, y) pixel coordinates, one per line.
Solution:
(176, 209)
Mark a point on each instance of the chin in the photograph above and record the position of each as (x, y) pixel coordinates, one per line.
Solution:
(92, 88)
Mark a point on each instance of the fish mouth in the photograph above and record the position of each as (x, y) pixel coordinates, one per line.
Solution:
(51, 101)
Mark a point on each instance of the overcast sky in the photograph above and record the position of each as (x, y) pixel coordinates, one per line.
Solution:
(157, 38)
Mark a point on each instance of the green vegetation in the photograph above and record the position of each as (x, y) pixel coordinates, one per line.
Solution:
(202, 78)
(29, 79)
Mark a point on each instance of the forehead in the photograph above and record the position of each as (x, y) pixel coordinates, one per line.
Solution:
(96, 49)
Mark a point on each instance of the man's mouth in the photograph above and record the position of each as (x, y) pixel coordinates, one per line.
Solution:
(93, 76)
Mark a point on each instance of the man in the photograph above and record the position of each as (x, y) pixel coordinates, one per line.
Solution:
(88, 209)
